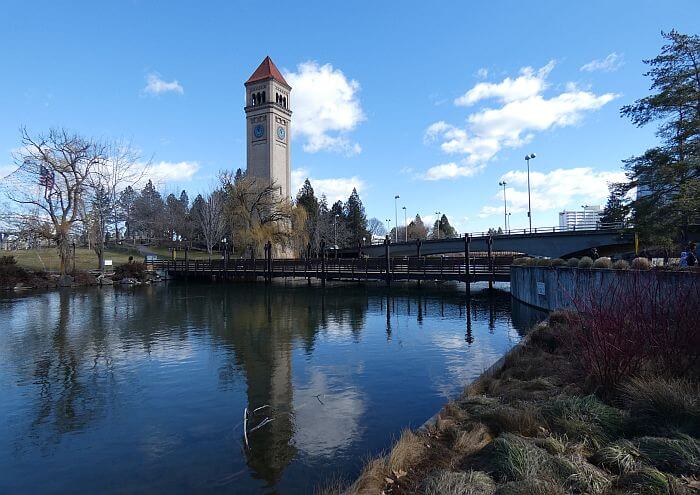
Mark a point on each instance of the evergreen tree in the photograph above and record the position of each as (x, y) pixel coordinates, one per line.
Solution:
(445, 230)
(149, 212)
(355, 219)
(615, 209)
(667, 177)
(125, 210)
(417, 229)
(306, 199)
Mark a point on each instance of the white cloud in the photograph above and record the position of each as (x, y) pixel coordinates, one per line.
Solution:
(556, 190)
(335, 189)
(529, 83)
(155, 85)
(482, 73)
(171, 171)
(523, 111)
(451, 171)
(609, 64)
(326, 107)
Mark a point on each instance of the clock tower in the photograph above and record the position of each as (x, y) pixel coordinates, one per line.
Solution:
(268, 118)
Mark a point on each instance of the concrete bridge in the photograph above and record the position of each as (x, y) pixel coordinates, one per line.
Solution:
(552, 242)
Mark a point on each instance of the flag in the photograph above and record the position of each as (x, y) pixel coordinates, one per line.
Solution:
(46, 177)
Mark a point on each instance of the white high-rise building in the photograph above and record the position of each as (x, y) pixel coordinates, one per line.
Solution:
(268, 118)
(588, 218)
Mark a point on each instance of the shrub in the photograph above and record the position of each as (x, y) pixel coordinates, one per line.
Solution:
(458, 483)
(10, 273)
(641, 264)
(136, 270)
(558, 262)
(636, 324)
(585, 262)
(621, 265)
(572, 262)
(543, 262)
(522, 261)
(603, 262)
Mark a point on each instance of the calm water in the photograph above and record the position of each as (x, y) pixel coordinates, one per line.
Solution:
(143, 391)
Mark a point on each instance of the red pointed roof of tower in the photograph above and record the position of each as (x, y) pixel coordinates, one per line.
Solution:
(266, 70)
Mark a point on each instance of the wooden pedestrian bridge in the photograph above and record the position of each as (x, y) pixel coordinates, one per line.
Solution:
(476, 269)
(473, 258)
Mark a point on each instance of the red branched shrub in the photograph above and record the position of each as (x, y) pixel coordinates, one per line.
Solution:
(635, 323)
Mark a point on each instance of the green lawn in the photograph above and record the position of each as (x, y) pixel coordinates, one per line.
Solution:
(47, 258)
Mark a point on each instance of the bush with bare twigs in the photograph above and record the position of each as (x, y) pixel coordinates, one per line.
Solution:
(585, 262)
(603, 262)
(641, 264)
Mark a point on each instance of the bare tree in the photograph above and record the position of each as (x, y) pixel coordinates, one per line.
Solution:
(376, 226)
(51, 181)
(107, 179)
(208, 212)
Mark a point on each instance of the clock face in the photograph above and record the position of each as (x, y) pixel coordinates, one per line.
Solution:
(281, 133)
(259, 131)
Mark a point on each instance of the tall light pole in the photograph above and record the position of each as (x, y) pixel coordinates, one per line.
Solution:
(438, 223)
(529, 205)
(405, 224)
(396, 218)
(388, 225)
(505, 205)
(508, 223)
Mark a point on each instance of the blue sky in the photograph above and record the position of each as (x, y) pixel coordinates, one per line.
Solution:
(434, 101)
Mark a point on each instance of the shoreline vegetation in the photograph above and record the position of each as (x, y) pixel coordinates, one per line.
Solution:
(590, 402)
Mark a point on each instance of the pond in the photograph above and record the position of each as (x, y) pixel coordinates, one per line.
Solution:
(144, 390)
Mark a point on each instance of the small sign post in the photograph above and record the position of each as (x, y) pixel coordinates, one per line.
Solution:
(540, 289)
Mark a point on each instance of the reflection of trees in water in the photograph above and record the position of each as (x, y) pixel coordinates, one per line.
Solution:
(69, 351)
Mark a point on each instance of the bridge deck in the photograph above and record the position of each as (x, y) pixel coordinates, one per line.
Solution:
(345, 269)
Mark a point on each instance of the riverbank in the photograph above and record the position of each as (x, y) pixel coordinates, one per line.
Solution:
(553, 420)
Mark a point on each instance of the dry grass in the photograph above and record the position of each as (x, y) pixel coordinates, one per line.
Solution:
(458, 483)
(664, 402)
(531, 487)
(371, 479)
(406, 452)
(619, 457)
(472, 439)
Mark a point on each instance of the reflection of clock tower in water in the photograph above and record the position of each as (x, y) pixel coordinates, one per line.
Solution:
(268, 119)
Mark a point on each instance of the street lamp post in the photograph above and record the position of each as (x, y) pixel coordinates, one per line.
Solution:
(388, 225)
(508, 223)
(405, 224)
(396, 218)
(505, 205)
(529, 205)
(438, 223)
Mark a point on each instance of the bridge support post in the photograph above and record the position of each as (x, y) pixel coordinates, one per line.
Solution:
(490, 253)
(323, 263)
(419, 243)
(387, 254)
(308, 264)
(187, 264)
(467, 263)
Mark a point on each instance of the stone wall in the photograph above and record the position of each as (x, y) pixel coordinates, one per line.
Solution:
(552, 288)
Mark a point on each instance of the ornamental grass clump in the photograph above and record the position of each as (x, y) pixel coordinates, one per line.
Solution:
(572, 262)
(645, 481)
(458, 483)
(618, 457)
(517, 459)
(558, 262)
(678, 455)
(603, 262)
(585, 262)
(621, 265)
(641, 264)
(666, 403)
(584, 419)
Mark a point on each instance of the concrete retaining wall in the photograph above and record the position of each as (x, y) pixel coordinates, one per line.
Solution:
(554, 288)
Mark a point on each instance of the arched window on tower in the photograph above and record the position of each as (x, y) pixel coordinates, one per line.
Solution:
(263, 97)
(277, 97)
(285, 102)
(253, 100)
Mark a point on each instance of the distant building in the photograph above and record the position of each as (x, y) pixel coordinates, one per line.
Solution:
(588, 218)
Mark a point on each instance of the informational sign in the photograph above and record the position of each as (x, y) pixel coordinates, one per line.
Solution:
(108, 262)
(540, 288)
